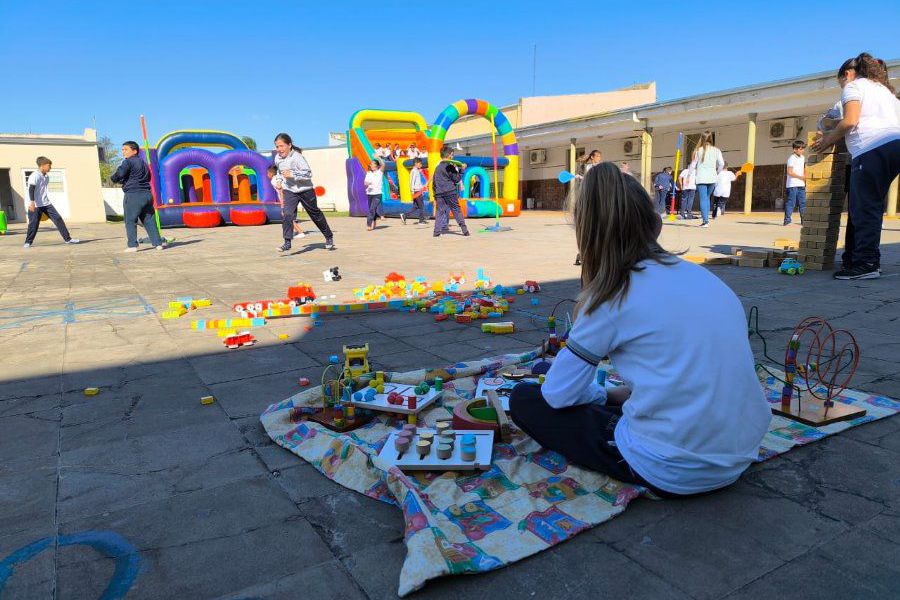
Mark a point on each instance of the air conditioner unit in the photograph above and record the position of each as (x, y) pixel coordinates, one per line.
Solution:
(537, 157)
(632, 147)
(783, 129)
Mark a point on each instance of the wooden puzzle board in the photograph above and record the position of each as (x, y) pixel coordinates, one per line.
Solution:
(411, 461)
(380, 402)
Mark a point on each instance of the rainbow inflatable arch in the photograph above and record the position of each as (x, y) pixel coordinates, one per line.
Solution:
(370, 126)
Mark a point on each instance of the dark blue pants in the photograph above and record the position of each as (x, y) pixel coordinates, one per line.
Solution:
(584, 434)
(306, 199)
(687, 202)
(719, 205)
(138, 206)
(795, 195)
(34, 221)
(443, 205)
(374, 205)
(661, 201)
(418, 207)
(871, 174)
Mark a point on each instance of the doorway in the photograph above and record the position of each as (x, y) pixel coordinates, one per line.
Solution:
(7, 204)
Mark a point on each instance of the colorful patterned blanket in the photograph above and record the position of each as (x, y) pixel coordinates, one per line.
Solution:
(530, 499)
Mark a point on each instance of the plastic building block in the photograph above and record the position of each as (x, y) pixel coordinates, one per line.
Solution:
(531, 287)
(91, 391)
(207, 399)
(283, 336)
(438, 384)
(498, 328)
(304, 381)
(535, 301)
(333, 359)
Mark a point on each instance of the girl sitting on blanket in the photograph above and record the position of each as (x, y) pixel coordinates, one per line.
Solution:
(692, 413)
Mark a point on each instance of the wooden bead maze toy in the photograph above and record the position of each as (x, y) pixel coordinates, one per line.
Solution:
(336, 412)
(822, 360)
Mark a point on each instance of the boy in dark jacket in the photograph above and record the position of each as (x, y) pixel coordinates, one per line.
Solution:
(134, 175)
(446, 178)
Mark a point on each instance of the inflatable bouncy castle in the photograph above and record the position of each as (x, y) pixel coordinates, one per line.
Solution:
(195, 187)
(369, 127)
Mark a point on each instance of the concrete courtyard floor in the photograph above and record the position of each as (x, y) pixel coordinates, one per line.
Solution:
(216, 510)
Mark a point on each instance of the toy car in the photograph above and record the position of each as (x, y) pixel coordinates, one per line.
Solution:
(236, 341)
(791, 266)
(531, 286)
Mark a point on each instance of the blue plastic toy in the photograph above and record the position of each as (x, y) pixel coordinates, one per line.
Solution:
(791, 266)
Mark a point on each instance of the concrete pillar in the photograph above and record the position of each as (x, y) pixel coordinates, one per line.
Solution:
(646, 156)
(892, 198)
(751, 158)
(572, 164)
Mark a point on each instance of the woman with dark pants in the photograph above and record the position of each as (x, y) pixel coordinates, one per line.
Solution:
(297, 190)
(871, 128)
(674, 428)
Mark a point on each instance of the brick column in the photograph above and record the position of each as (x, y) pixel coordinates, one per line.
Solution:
(825, 193)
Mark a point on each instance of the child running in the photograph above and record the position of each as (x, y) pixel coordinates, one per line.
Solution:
(417, 186)
(675, 428)
(39, 204)
(278, 184)
(297, 189)
(722, 191)
(374, 183)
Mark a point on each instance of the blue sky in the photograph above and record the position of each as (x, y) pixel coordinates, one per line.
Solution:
(256, 68)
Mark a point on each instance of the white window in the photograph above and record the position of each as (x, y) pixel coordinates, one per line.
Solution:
(57, 189)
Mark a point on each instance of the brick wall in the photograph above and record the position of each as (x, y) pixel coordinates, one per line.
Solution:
(550, 192)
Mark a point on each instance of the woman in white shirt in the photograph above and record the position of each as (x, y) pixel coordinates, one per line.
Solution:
(678, 427)
(871, 128)
(706, 163)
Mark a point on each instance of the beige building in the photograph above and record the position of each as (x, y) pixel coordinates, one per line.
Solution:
(74, 178)
(756, 124)
(545, 109)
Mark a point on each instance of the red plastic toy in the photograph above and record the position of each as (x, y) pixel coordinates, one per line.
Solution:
(236, 341)
(301, 293)
(531, 286)
(304, 381)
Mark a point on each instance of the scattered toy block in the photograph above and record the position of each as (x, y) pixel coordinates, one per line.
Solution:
(91, 391)
(207, 400)
(752, 262)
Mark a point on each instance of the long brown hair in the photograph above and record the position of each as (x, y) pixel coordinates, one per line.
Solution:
(873, 69)
(616, 227)
(706, 140)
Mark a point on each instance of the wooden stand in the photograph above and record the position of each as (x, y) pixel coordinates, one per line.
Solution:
(380, 402)
(502, 419)
(411, 460)
(813, 412)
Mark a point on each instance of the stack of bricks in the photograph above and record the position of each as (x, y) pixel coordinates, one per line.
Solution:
(825, 192)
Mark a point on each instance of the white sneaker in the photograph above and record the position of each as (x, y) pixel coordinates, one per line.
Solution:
(130, 249)
(26, 245)
(74, 241)
(299, 234)
(161, 246)
(706, 225)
